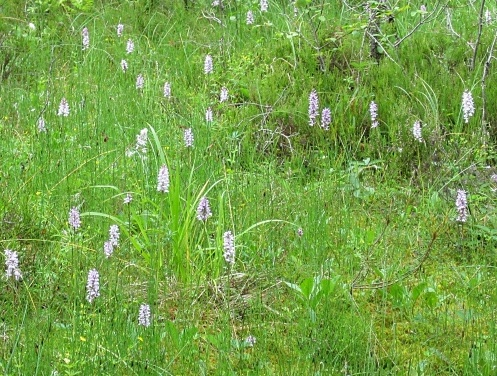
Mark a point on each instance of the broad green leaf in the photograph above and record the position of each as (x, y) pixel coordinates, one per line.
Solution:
(306, 287)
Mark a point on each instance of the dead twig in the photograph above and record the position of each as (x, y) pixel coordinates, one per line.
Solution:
(425, 19)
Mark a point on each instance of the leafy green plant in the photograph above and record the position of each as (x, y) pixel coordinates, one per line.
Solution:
(311, 291)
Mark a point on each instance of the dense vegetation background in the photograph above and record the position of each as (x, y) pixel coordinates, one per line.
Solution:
(345, 150)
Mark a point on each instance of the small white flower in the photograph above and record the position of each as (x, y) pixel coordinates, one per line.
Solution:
(41, 125)
(144, 315)
(74, 218)
(208, 115)
(188, 137)
(124, 65)
(468, 106)
(163, 180)
(130, 46)
(167, 90)
(141, 141)
(120, 29)
(264, 5)
(141, 144)
(93, 285)
(488, 16)
(139, 81)
(208, 65)
(250, 18)
(128, 198)
(63, 108)
(229, 247)
(326, 118)
(86, 38)
(462, 206)
(250, 341)
(373, 111)
(313, 107)
(223, 97)
(203, 209)
(416, 131)
(12, 264)
(114, 235)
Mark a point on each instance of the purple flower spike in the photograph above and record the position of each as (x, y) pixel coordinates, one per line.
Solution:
(462, 206)
(313, 107)
(85, 34)
(229, 247)
(74, 218)
(203, 210)
(63, 108)
(93, 286)
(119, 30)
(144, 315)
(188, 137)
(326, 118)
(208, 66)
(12, 264)
(163, 180)
(373, 111)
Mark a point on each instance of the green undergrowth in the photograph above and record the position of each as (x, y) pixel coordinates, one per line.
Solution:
(349, 259)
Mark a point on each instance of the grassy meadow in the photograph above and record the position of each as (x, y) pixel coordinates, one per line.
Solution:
(248, 187)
